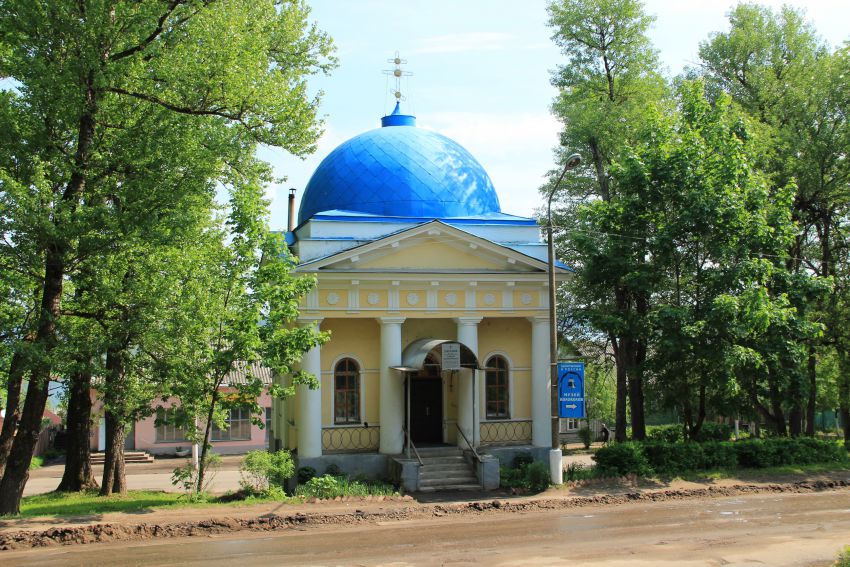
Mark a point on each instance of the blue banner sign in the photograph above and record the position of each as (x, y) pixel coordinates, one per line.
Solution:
(571, 390)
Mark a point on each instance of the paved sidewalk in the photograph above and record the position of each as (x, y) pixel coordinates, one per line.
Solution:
(141, 476)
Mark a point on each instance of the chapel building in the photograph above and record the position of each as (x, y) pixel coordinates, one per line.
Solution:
(437, 304)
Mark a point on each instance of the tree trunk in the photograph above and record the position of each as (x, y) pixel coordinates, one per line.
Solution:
(17, 466)
(202, 460)
(844, 395)
(636, 401)
(776, 415)
(78, 474)
(13, 409)
(114, 479)
(813, 388)
(622, 392)
(16, 474)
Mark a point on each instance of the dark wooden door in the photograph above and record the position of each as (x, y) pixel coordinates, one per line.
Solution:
(426, 411)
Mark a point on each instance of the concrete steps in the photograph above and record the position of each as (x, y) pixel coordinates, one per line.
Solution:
(129, 457)
(445, 468)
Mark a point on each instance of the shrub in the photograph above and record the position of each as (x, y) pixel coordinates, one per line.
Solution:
(713, 432)
(577, 471)
(187, 475)
(757, 453)
(719, 455)
(586, 436)
(305, 474)
(522, 459)
(665, 433)
(262, 470)
(333, 470)
(621, 459)
(529, 474)
(328, 486)
(674, 458)
(843, 559)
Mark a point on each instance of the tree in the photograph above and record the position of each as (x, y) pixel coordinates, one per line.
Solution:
(605, 85)
(240, 309)
(234, 70)
(774, 65)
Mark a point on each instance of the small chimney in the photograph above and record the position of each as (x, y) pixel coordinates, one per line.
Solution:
(291, 224)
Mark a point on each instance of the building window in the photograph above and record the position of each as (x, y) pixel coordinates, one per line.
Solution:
(346, 392)
(237, 426)
(569, 424)
(167, 430)
(497, 389)
(268, 423)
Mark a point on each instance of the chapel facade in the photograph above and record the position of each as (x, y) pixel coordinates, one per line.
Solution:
(437, 304)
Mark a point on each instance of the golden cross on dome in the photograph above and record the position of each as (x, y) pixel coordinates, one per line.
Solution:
(397, 73)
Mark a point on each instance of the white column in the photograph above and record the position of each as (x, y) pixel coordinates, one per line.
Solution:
(541, 400)
(392, 387)
(467, 394)
(310, 402)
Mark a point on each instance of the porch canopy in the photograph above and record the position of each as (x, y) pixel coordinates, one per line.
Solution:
(413, 357)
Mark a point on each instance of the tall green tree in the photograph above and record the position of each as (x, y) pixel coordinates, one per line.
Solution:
(608, 80)
(235, 70)
(774, 65)
(239, 308)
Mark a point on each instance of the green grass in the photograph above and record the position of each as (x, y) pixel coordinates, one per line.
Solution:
(89, 503)
(768, 472)
(36, 463)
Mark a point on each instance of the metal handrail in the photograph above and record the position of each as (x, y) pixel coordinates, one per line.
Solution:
(468, 444)
(410, 445)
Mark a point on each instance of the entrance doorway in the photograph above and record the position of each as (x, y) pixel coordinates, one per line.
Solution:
(426, 404)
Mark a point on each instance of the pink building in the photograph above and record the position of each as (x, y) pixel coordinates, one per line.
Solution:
(240, 435)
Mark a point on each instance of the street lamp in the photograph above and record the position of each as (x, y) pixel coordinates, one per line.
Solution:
(555, 466)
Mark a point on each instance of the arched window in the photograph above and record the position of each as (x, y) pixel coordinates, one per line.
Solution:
(497, 390)
(346, 392)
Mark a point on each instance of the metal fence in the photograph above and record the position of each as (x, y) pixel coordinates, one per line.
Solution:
(350, 439)
(506, 432)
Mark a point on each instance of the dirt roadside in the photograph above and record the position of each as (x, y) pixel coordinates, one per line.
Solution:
(20, 534)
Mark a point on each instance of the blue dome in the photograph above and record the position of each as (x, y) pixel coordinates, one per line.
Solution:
(401, 171)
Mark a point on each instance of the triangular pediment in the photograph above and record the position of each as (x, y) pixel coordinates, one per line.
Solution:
(430, 247)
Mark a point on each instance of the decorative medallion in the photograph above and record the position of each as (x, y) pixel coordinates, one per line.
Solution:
(412, 298)
(525, 299)
(333, 298)
(451, 299)
(372, 298)
(489, 299)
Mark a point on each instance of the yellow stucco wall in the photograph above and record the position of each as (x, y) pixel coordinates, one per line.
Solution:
(510, 336)
(432, 254)
(361, 340)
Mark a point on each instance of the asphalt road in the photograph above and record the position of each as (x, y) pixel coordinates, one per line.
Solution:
(775, 529)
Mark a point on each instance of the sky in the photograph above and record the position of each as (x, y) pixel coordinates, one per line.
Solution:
(480, 75)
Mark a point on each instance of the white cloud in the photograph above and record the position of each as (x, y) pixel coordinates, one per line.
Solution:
(464, 42)
(515, 150)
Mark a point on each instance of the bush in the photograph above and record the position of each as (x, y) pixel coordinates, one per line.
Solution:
(621, 459)
(577, 471)
(665, 433)
(522, 460)
(187, 475)
(529, 474)
(719, 455)
(713, 432)
(262, 470)
(843, 559)
(674, 458)
(305, 474)
(586, 436)
(328, 486)
(333, 470)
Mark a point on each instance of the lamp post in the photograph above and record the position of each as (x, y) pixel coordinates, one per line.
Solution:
(555, 466)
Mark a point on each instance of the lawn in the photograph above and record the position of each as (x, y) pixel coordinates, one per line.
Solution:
(89, 503)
